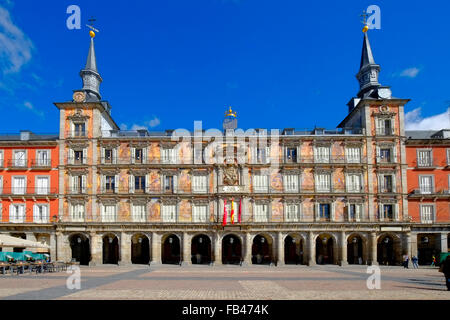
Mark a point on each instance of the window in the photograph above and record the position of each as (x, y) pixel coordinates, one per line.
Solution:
(260, 183)
(290, 183)
(1, 185)
(354, 182)
(138, 155)
(291, 155)
(79, 129)
(354, 212)
(138, 212)
(324, 211)
(17, 213)
(20, 159)
(322, 154)
(78, 157)
(198, 155)
(424, 158)
(386, 183)
(110, 184)
(292, 212)
(387, 212)
(427, 213)
(169, 183)
(199, 213)
(261, 213)
(109, 213)
(108, 156)
(77, 213)
(42, 185)
(323, 182)
(169, 212)
(448, 157)
(353, 154)
(426, 184)
(169, 155)
(384, 126)
(199, 183)
(385, 155)
(43, 158)
(139, 184)
(40, 213)
(261, 155)
(19, 185)
(78, 184)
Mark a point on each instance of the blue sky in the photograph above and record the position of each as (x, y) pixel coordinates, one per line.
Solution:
(168, 63)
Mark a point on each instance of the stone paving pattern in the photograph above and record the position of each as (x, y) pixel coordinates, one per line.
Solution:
(228, 282)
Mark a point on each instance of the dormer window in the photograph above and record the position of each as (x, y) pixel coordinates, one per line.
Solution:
(384, 127)
(79, 129)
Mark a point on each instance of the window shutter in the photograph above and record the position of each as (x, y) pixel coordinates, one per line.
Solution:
(298, 154)
(394, 153)
(22, 213)
(317, 211)
(131, 183)
(35, 213)
(175, 183)
(268, 154)
(393, 125)
(396, 213)
(144, 156)
(254, 155)
(133, 155)
(1, 186)
(103, 185)
(71, 156)
(11, 217)
(147, 187)
(358, 212)
(380, 183)
(84, 155)
(332, 211)
(116, 183)
(377, 126)
(380, 212)
(83, 183)
(102, 155)
(114, 155)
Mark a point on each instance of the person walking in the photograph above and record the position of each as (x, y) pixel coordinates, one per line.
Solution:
(445, 268)
(414, 260)
(405, 261)
(433, 261)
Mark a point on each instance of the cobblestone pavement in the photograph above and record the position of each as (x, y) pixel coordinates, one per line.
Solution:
(228, 282)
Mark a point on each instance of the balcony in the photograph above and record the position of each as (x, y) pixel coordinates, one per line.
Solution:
(41, 164)
(331, 160)
(426, 164)
(385, 131)
(28, 191)
(77, 161)
(76, 190)
(76, 134)
(17, 164)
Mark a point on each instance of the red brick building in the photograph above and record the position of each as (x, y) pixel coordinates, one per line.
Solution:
(428, 177)
(29, 186)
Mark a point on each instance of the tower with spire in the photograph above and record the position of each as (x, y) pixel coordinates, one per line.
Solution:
(90, 76)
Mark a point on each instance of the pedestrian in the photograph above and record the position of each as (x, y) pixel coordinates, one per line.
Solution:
(414, 262)
(433, 261)
(405, 261)
(445, 268)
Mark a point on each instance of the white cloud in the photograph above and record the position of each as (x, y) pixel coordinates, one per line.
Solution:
(15, 47)
(410, 72)
(414, 121)
(154, 122)
(28, 105)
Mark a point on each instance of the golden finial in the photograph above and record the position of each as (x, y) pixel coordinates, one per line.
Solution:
(91, 26)
(366, 27)
(230, 113)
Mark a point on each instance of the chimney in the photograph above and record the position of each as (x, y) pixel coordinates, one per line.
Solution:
(25, 135)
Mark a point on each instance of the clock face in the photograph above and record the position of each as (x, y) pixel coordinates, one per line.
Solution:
(384, 93)
(79, 96)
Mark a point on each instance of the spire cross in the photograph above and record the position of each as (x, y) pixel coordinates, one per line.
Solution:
(91, 25)
(364, 15)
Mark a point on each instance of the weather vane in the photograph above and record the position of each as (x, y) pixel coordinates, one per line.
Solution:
(91, 26)
(364, 21)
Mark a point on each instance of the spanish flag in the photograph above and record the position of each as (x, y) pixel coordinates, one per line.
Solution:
(232, 211)
(224, 220)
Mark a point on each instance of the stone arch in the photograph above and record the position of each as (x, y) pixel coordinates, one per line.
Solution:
(171, 248)
(294, 248)
(388, 248)
(110, 248)
(201, 246)
(326, 248)
(262, 248)
(232, 245)
(357, 249)
(80, 248)
(140, 248)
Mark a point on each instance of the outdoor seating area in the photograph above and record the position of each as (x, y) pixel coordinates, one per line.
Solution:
(28, 262)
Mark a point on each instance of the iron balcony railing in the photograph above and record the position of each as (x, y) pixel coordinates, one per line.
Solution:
(74, 161)
(427, 163)
(76, 134)
(18, 163)
(28, 191)
(385, 131)
(41, 163)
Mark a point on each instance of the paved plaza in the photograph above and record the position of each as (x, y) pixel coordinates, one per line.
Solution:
(228, 282)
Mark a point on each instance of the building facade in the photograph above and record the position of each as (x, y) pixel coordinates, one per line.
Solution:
(428, 154)
(29, 186)
(233, 196)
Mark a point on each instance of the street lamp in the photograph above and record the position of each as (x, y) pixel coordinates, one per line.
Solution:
(262, 239)
(79, 240)
(324, 240)
(425, 240)
(200, 240)
(354, 240)
(293, 240)
(140, 240)
(386, 240)
(231, 240)
(110, 239)
(170, 240)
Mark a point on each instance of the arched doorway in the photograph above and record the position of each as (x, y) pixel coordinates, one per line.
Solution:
(231, 249)
(171, 250)
(201, 249)
(355, 250)
(324, 249)
(140, 249)
(110, 249)
(293, 250)
(81, 250)
(426, 248)
(261, 253)
(385, 250)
